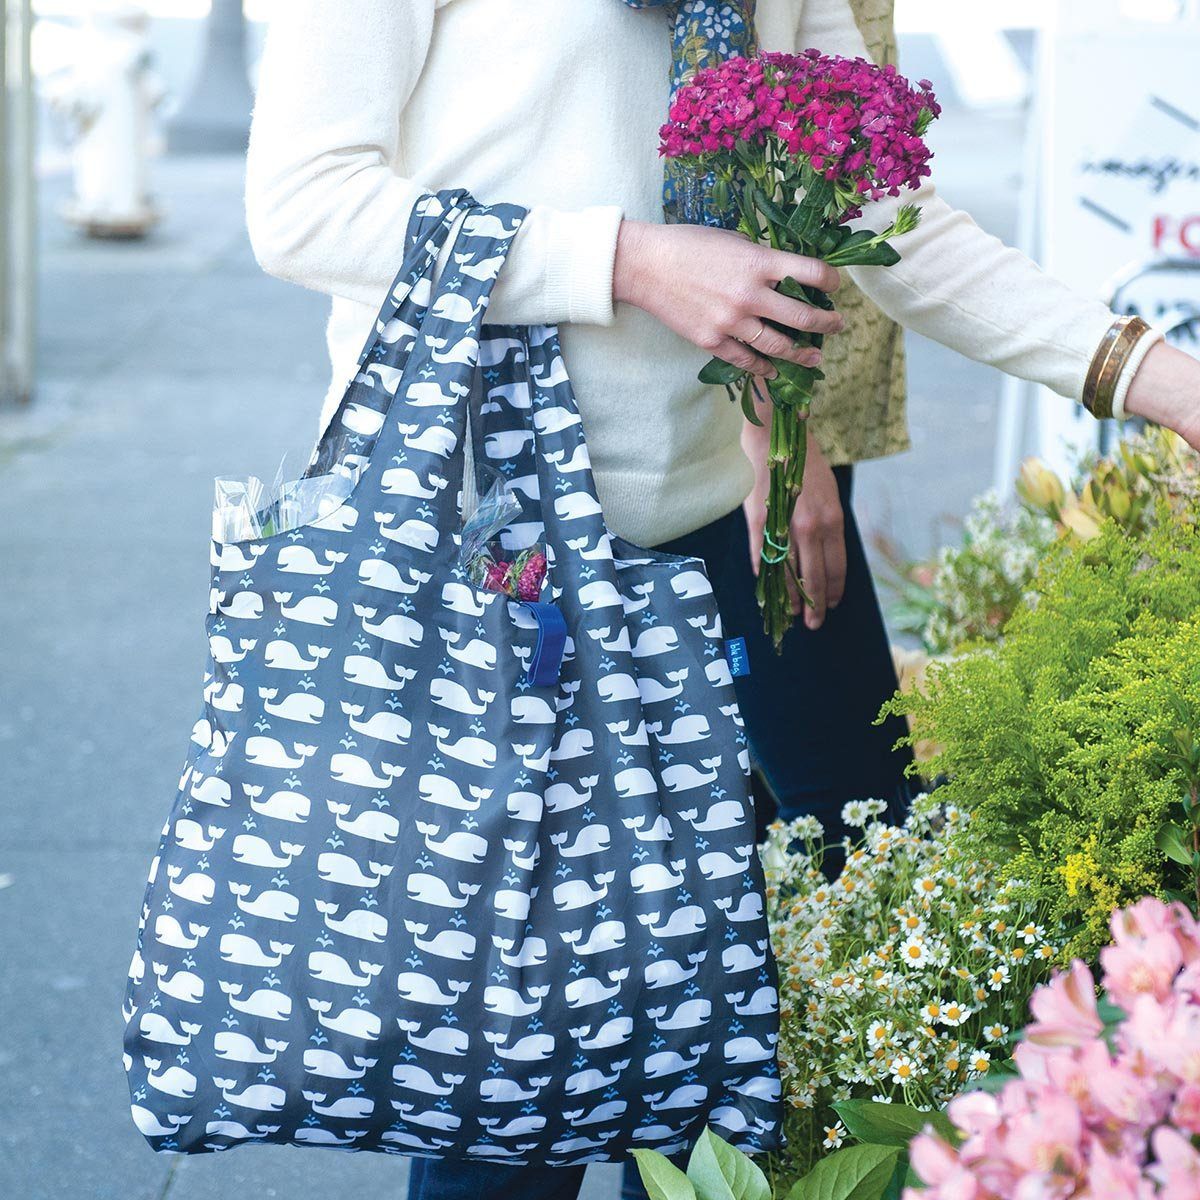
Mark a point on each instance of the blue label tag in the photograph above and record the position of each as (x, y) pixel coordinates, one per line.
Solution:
(546, 660)
(739, 659)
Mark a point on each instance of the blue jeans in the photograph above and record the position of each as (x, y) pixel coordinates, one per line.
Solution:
(809, 714)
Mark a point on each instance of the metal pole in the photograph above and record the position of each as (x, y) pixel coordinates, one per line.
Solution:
(215, 117)
(18, 205)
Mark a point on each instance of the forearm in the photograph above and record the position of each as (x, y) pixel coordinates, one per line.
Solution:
(325, 205)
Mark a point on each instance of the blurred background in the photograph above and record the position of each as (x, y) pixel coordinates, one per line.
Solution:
(142, 352)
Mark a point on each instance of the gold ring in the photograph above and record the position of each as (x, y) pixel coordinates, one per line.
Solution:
(762, 328)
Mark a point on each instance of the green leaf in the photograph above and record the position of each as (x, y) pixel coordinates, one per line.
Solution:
(661, 1178)
(884, 1124)
(863, 255)
(718, 1171)
(858, 1173)
(899, 1180)
(717, 370)
(748, 409)
(1169, 840)
(770, 209)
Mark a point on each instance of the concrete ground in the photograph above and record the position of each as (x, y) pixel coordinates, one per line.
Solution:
(164, 364)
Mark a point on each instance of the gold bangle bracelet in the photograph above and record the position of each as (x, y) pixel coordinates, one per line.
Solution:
(1108, 362)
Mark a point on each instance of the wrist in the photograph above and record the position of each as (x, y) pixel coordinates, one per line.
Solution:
(1165, 388)
(629, 262)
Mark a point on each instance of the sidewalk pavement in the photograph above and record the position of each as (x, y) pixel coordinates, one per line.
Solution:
(162, 365)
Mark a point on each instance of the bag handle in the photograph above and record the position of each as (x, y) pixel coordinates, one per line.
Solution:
(387, 345)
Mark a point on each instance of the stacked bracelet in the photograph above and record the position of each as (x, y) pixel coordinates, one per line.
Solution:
(1109, 362)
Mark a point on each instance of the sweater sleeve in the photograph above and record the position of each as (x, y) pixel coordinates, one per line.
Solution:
(961, 286)
(326, 208)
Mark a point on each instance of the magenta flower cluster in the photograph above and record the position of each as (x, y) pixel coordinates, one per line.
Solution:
(858, 124)
(1098, 1113)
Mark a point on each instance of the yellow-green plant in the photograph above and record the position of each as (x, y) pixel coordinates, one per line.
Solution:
(1062, 739)
(968, 592)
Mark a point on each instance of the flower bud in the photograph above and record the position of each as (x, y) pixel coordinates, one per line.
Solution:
(1081, 522)
(1039, 486)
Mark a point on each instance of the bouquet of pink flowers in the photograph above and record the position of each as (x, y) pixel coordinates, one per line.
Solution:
(794, 145)
(1107, 1101)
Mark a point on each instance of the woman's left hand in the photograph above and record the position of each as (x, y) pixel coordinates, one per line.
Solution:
(1166, 390)
(817, 545)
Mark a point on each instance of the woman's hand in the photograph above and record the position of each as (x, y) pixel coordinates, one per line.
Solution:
(1166, 390)
(716, 288)
(817, 545)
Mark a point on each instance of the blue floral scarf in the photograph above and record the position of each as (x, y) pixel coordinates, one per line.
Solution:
(706, 32)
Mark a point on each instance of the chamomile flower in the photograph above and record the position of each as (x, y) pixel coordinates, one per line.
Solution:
(914, 952)
(834, 1136)
(903, 1070)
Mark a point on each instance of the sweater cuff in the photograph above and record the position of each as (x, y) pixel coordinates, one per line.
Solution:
(1143, 346)
(581, 248)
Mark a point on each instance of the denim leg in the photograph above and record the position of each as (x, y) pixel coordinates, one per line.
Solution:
(445, 1179)
(810, 711)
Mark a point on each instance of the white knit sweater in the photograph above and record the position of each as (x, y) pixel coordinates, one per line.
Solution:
(556, 104)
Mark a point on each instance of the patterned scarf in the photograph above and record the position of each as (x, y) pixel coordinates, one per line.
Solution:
(706, 32)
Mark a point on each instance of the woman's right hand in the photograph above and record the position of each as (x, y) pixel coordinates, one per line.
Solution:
(716, 288)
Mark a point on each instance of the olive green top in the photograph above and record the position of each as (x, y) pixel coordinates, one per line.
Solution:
(859, 409)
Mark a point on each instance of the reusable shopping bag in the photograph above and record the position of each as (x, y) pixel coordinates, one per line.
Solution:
(440, 880)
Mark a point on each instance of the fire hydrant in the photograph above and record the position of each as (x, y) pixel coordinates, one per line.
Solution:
(110, 98)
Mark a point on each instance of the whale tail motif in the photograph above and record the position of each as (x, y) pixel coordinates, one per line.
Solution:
(233, 990)
(238, 889)
(190, 1029)
(291, 848)
(408, 1026)
(282, 597)
(481, 793)
(252, 790)
(711, 764)
(224, 1084)
(353, 710)
(391, 770)
(605, 878)
(416, 927)
(655, 1013)
(338, 810)
(428, 830)
(319, 652)
(267, 693)
(326, 907)
(275, 1044)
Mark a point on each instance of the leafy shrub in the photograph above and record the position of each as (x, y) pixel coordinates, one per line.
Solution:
(1061, 739)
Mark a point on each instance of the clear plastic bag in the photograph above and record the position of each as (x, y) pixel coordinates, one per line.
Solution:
(243, 509)
(482, 554)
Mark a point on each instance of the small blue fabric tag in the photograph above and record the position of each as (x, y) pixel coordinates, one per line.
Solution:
(739, 658)
(546, 660)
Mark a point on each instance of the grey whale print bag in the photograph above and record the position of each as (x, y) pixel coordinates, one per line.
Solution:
(410, 897)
